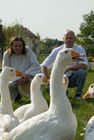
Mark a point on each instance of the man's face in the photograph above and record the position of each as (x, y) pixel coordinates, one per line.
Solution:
(17, 47)
(69, 39)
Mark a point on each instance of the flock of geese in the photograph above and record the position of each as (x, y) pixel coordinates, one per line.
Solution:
(35, 121)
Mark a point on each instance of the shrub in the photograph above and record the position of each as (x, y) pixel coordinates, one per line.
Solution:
(90, 59)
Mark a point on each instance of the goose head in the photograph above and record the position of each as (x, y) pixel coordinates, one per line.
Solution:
(39, 79)
(65, 57)
(9, 73)
(90, 92)
(68, 56)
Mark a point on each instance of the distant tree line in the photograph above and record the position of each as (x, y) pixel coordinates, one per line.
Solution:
(84, 38)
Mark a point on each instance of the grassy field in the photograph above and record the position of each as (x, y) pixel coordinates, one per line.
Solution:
(83, 109)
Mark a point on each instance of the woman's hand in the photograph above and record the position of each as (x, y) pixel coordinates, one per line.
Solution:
(24, 79)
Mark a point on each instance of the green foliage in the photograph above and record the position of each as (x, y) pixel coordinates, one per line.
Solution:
(11, 31)
(86, 35)
(90, 50)
(45, 46)
(51, 43)
(87, 28)
(90, 59)
(82, 109)
(41, 57)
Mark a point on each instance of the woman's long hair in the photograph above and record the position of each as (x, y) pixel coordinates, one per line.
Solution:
(10, 50)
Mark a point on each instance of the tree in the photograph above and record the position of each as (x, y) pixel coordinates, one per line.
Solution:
(11, 31)
(52, 43)
(87, 29)
(86, 36)
(18, 30)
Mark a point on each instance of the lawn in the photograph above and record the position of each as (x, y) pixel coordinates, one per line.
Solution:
(82, 109)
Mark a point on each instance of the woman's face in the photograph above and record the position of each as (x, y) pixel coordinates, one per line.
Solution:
(17, 47)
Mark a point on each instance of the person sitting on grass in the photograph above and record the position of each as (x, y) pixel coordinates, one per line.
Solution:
(76, 71)
(22, 58)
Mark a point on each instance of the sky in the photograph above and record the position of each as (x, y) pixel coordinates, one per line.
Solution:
(49, 18)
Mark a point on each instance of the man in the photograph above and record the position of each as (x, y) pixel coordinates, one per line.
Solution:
(76, 71)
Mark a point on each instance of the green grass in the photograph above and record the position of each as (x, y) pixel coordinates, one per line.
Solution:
(83, 109)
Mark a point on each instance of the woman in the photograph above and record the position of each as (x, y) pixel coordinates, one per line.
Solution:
(22, 58)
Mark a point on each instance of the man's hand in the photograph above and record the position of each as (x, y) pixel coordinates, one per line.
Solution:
(64, 81)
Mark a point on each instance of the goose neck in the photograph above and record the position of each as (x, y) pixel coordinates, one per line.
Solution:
(59, 101)
(5, 96)
(35, 94)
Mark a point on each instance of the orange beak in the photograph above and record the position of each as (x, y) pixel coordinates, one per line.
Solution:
(76, 55)
(18, 73)
(87, 95)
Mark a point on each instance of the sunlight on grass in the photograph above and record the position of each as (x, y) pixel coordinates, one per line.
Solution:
(82, 109)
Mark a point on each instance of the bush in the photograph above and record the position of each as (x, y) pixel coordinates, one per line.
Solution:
(90, 59)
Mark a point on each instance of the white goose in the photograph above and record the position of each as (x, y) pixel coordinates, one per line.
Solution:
(90, 92)
(38, 104)
(89, 131)
(59, 122)
(7, 119)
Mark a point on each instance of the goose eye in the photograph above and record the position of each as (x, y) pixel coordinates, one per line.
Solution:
(11, 70)
(66, 51)
(92, 86)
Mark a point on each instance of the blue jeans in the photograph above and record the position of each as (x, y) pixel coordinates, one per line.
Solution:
(77, 79)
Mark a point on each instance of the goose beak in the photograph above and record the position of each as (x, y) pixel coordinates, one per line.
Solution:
(18, 73)
(45, 80)
(76, 55)
(87, 95)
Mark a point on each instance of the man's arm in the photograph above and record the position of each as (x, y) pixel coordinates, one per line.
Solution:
(45, 71)
(79, 66)
(49, 61)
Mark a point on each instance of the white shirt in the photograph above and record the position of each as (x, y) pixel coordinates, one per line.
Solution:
(27, 63)
(48, 62)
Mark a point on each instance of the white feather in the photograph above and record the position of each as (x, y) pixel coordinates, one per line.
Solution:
(38, 104)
